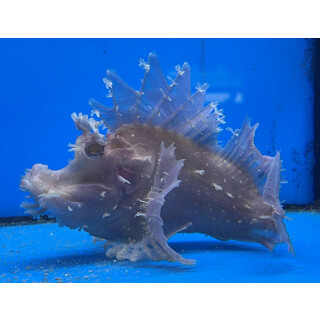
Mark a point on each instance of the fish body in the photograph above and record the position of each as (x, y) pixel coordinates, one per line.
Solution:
(160, 170)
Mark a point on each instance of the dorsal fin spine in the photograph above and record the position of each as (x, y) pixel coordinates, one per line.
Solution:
(146, 67)
(175, 112)
(108, 84)
(157, 108)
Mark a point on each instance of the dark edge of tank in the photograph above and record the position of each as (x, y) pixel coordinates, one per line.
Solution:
(25, 220)
(316, 121)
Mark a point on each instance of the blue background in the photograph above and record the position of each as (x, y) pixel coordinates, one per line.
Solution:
(42, 81)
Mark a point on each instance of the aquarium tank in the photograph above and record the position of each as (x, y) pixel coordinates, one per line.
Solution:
(160, 160)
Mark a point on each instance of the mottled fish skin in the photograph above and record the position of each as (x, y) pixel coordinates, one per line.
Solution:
(159, 171)
(218, 202)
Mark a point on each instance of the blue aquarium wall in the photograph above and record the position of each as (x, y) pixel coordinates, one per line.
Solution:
(43, 81)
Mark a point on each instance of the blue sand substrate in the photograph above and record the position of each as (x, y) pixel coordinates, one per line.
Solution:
(48, 253)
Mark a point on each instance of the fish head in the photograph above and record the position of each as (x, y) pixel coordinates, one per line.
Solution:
(105, 171)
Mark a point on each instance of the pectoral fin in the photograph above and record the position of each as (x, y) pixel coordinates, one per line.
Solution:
(154, 244)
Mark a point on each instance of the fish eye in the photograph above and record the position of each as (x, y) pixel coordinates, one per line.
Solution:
(94, 150)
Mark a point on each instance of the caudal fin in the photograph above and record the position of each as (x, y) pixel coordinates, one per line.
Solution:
(270, 196)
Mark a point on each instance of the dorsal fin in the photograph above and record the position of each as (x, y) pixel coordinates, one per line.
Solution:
(270, 194)
(123, 99)
(152, 90)
(241, 151)
(170, 106)
(264, 170)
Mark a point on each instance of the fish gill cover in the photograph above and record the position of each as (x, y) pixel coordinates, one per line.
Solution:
(160, 170)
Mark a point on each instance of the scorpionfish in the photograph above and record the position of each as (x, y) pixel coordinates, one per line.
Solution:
(159, 170)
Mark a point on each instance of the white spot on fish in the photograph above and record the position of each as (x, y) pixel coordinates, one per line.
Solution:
(239, 221)
(138, 214)
(122, 179)
(229, 195)
(247, 206)
(143, 201)
(106, 215)
(201, 172)
(146, 158)
(266, 217)
(70, 209)
(79, 205)
(103, 193)
(216, 186)
(115, 207)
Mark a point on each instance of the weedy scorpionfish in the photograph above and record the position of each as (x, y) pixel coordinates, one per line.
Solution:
(160, 170)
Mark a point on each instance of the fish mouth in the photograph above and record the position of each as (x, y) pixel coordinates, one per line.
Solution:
(41, 196)
(34, 208)
(38, 189)
(49, 192)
